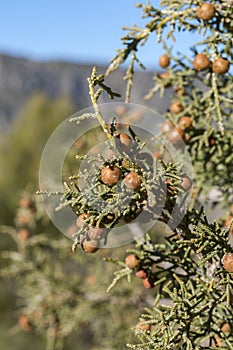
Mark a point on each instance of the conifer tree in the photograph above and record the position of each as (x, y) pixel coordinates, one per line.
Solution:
(188, 271)
(191, 269)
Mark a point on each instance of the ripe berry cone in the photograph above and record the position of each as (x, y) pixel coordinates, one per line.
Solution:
(24, 323)
(206, 11)
(164, 61)
(141, 274)
(201, 62)
(111, 176)
(148, 283)
(227, 262)
(132, 261)
(90, 246)
(143, 327)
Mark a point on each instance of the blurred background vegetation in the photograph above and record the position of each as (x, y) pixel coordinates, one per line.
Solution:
(20, 152)
(22, 146)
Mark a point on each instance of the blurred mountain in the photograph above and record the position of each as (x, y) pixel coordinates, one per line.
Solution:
(20, 78)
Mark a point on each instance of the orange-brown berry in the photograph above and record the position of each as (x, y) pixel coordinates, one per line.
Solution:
(141, 274)
(24, 220)
(212, 141)
(176, 107)
(166, 76)
(143, 327)
(25, 202)
(220, 66)
(166, 126)
(111, 176)
(133, 181)
(90, 246)
(23, 234)
(79, 144)
(186, 137)
(179, 90)
(157, 155)
(81, 220)
(206, 11)
(91, 279)
(175, 135)
(148, 283)
(164, 61)
(185, 122)
(120, 110)
(132, 261)
(201, 62)
(227, 262)
(25, 323)
(186, 183)
(95, 233)
(226, 328)
(136, 116)
(125, 140)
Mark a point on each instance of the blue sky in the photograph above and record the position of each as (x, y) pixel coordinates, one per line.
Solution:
(77, 30)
